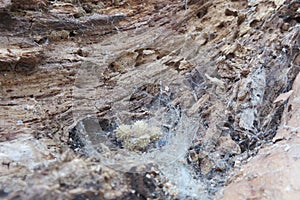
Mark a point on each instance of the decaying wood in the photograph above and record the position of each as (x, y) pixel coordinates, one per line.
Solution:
(213, 78)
